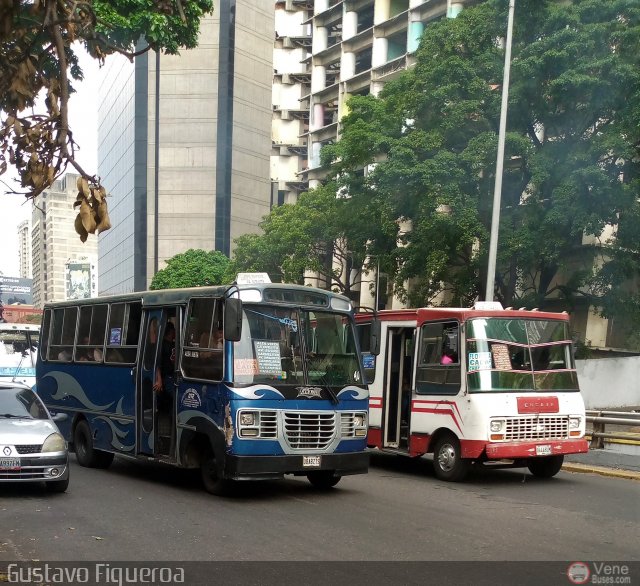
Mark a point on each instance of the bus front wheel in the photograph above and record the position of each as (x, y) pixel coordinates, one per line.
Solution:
(447, 461)
(323, 479)
(86, 454)
(211, 478)
(545, 467)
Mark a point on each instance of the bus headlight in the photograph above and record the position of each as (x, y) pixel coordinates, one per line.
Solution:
(497, 428)
(497, 425)
(360, 424)
(575, 424)
(54, 443)
(247, 418)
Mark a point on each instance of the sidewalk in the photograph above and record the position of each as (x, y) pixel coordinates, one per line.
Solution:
(604, 462)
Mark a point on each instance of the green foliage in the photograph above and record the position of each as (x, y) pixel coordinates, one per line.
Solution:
(193, 268)
(571, 165)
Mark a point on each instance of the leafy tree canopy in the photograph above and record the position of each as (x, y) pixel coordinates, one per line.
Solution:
(193, 268)
(39, 40)
(321, 233)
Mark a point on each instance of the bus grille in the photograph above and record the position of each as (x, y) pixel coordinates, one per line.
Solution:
(268, 424)
(534, 428)
(304, 430)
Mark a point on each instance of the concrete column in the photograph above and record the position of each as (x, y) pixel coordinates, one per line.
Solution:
(320, 39)
(317, 117)
(347, 65)
(320, 6)
(379, 51)
(381, 11)
(318, 78)
(454, 9)
(349, 25)
(414, 34)
(315, 155)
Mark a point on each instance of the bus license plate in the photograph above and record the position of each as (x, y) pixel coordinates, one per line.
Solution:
(9, 463)
(543, 450)
(311, 461)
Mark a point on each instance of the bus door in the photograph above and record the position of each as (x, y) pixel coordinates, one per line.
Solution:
(156, 409)
(397, 386)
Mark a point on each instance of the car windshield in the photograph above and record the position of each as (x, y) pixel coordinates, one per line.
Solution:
(519, 354)
(21, 403)
(295, 346)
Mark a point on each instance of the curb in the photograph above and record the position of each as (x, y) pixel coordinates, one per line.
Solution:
(602, 470)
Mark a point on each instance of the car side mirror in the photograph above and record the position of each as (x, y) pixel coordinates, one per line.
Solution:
(58, 417)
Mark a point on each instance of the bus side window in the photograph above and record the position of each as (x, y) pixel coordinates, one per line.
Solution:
(123, 333)
(438, 371)
(63, 334)
(204, 342)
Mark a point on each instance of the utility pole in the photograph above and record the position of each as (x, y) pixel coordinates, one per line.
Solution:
(497, 191)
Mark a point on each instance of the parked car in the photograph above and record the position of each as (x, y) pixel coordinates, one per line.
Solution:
(31, 447)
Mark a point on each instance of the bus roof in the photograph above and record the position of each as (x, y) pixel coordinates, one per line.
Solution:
(461, 314)
(181, 296)
(19, 327)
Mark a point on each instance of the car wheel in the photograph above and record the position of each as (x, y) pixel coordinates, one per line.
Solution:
(57, 485)
(447, 462)
(211, 479)
(323, 479)
(86, 454)
(545, 467)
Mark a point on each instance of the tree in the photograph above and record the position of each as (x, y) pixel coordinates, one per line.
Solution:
(193, 268)
(321, 233)
(569, 224)
(39, 40)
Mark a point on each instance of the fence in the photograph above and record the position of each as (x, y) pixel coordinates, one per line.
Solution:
(615, 419)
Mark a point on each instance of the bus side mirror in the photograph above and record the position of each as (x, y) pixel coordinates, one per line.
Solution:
(376, 332)
(233, 319)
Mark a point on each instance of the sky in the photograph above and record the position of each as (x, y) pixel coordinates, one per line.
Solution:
(83, 121)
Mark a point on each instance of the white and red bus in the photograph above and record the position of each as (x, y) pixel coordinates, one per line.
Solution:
(488, 385)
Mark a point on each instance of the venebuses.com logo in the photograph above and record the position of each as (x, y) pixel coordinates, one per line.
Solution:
(598, 573)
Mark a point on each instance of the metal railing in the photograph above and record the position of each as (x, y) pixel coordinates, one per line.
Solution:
(599, 419)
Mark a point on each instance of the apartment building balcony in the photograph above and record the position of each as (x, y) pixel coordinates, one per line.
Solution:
(295, 42)
(395, 24)
(389, 70)
(287, 113)
(359, 41)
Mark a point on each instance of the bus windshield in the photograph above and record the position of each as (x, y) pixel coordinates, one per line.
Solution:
(295, 346)
(17, 353)
(519, 355)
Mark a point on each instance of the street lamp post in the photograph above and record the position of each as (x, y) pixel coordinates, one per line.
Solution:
(497, 191)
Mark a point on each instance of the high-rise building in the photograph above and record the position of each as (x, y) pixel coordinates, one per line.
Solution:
(183, 145)
(325, 52)
(24, 248)
(55, 241)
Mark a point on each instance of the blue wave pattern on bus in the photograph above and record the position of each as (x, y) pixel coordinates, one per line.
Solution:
(68, 385)
(59, 386)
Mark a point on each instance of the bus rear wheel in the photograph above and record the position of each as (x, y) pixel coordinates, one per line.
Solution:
(211, 479)
(86, 454)
(545, 467)
(323, 479)
(447, 461)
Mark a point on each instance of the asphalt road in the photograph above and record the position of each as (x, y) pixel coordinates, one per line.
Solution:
(399, 511)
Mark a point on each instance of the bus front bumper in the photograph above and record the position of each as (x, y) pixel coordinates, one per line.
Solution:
(269, 467)
(541, 448)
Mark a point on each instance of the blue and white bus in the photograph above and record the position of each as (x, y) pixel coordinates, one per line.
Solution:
(282, 393)
(18, 351)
